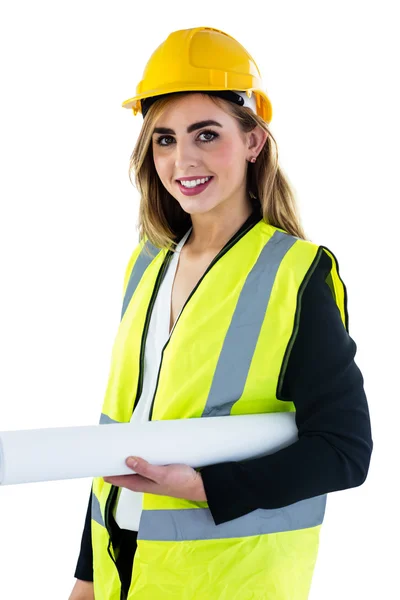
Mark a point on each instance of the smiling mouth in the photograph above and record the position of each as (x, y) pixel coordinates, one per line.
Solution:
(194, 190)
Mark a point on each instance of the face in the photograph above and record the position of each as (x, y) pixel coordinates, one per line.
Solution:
(218, 150)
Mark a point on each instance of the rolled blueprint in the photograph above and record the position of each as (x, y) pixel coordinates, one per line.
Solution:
(50, 454)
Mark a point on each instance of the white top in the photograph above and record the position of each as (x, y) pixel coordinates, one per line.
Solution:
(128, 506)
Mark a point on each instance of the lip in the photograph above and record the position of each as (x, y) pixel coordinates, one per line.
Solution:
(196, 190)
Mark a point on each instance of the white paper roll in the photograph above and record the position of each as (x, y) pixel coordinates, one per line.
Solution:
(33, 455)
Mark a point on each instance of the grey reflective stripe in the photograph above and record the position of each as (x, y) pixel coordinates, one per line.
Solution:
(198, 523)
(141, 264)
(96, 512)
(106, 420)
(234, 361)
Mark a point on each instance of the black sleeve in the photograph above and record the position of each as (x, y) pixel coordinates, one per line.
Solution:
(334, 443)
(84, 567)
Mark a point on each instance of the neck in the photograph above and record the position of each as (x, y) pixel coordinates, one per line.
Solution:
(211, 231)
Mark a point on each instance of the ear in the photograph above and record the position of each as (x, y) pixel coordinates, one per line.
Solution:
(256, 140)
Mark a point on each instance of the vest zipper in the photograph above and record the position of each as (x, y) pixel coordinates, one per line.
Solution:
(220, 254)
(114, 489)
(157, 285)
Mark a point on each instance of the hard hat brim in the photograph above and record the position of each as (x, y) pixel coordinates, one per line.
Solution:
(134, 102)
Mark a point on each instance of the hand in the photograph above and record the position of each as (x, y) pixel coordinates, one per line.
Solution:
(179, 480)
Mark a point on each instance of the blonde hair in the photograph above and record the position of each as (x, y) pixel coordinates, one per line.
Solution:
(162, 220)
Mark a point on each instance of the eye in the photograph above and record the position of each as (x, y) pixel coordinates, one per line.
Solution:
(168, 137)
(215, 135)
(163, 137)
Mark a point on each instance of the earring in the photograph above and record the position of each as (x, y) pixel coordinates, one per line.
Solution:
(253, 160)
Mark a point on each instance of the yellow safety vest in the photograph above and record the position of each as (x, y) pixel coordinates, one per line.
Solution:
(227, 355)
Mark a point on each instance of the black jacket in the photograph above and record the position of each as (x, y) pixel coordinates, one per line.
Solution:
(335, 442)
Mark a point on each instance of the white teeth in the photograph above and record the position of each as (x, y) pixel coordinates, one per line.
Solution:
(194, 182)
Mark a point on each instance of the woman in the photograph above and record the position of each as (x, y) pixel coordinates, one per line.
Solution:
(228, 309)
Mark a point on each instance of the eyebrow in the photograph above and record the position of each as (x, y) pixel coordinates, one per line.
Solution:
(191, 128)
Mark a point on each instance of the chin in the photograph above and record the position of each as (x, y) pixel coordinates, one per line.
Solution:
(198, 204)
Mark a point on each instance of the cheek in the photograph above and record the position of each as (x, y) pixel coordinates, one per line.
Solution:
(162, 166)
(225, 158)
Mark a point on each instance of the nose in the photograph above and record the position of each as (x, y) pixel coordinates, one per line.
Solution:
(185, 156)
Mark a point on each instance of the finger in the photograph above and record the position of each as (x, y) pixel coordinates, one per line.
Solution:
(135, 483)
(153, 472)
(121, 480)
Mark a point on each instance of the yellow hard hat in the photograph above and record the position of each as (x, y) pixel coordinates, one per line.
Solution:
(201, 59)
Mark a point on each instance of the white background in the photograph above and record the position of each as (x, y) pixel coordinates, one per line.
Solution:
(68, 226)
